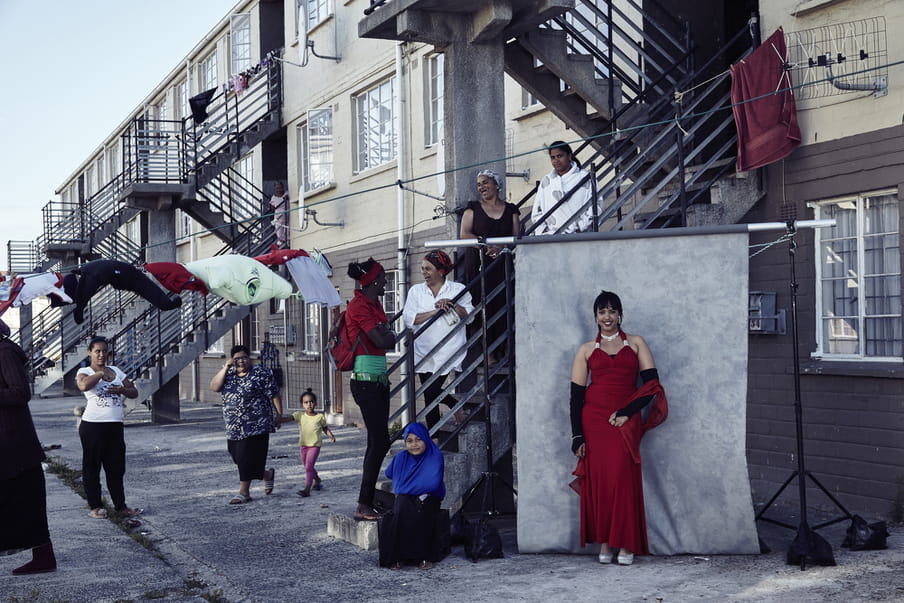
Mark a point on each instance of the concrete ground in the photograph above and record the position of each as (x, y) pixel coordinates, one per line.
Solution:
(276, 548)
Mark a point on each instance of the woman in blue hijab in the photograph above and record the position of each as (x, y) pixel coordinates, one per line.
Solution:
(409, 533)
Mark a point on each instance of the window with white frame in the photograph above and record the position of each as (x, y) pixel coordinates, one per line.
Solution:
(311, 317)
(113, 166)
(181, 100)
(318, 11)
(392, 304)
(858, 271)
(99, 172)
(133, 231)
(528, 100)
(246, 205)
(434, 113)
(375, 127)
(217, 346)
(240, 42)
(90, 187)
(317, 149)
(184, 226)
(207, 72)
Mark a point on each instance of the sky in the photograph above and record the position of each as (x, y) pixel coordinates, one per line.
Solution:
(74, 71)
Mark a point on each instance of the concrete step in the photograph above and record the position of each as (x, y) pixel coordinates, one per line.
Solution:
(362, 534)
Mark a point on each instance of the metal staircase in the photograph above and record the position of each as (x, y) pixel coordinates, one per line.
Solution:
(193, 165)
(610, 72)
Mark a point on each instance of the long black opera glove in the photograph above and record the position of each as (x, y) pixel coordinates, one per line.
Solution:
(577, 405)
(632, 408)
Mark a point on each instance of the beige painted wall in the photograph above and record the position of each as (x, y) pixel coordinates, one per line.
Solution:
(850, 113)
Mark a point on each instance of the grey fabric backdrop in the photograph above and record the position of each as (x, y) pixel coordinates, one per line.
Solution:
(687, 296)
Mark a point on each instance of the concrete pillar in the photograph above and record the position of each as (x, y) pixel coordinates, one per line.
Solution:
(161, 247)
(475, 115)
(165, 403)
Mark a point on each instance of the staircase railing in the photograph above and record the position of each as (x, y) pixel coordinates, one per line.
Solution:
(471, 394)
(239, 200)
(232, 114)
(624, 51)
(628, 182)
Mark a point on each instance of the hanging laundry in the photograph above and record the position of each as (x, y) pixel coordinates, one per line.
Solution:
(26, 288)
(175, 277)
(767, 126)
(240, 279)
(97, 274)
(279, 201)
(199, 103)
(314, 286)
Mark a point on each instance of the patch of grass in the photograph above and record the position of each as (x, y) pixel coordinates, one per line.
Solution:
(34, 595)
(395, 428)
(215, 596)
(71, 477)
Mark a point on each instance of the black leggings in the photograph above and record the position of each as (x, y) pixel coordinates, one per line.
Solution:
(372, 397)
(432, 393)
(103, 445)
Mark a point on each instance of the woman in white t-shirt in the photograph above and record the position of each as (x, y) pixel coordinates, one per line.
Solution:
(101, 429)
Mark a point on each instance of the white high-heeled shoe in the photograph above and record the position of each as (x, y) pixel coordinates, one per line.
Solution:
(625, 557)
(606, 558)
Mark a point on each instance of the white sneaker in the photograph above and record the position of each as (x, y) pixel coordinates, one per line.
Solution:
(606, 558)
(625, 557)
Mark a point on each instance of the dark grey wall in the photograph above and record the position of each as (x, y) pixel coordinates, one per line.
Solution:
(853, 412)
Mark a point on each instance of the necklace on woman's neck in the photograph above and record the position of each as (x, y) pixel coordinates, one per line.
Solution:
(609, 337)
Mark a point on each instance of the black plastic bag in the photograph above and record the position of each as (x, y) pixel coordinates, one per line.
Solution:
(482, 540)
(862, 536)
(809, 548)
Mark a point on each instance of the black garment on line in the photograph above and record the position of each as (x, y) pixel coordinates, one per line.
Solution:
(120, 275)
(198, 105)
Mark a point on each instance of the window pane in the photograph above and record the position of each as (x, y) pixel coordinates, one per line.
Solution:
(376, 128)
(884, 337)
(841, 336)
(240, 39)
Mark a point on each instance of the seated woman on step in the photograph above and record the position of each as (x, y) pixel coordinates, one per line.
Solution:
(408, 535)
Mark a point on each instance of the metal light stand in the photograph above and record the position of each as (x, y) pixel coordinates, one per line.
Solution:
(488, 478)
(804, 532)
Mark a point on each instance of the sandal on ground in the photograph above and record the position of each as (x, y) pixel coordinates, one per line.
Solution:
(268, 481)
(425, 565)
(127, 512)
(304, 493)
(239, 499)
(98, 513)
(318, 483)
(396, 566)
(131, 523)
(366, 514)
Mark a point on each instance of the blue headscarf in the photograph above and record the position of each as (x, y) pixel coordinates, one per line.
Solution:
(416, 475)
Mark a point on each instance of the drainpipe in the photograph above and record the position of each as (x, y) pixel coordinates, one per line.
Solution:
(402, 175)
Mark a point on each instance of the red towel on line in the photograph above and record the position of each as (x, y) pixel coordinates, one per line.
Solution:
(767, 127)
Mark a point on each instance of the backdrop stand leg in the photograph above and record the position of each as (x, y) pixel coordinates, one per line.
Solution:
(806, 543)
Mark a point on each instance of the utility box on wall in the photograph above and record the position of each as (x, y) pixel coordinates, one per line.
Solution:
(762, 318)
(282, 335)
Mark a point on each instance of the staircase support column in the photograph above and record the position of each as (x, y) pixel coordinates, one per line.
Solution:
(474, 97)
(165, 403)
(161, 247)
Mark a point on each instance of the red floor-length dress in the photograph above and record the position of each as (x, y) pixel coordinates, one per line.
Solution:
(612, 508)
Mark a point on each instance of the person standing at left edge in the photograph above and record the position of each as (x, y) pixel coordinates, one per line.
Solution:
(23, 494)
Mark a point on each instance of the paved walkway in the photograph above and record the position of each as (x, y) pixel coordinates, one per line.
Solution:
(276, 547)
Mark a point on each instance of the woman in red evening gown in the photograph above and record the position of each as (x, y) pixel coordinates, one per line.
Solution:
(606, 428)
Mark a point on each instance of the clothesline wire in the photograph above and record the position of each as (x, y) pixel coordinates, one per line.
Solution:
(401, 183)
(764, 246)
